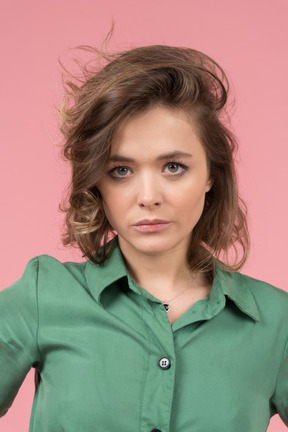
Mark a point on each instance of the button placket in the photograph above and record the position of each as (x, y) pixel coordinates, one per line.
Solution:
(160, 371)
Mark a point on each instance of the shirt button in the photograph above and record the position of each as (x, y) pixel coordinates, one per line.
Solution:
(164, 363)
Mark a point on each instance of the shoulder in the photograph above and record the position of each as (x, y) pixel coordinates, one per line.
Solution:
(49, 263)
(259, 287)
(50, 270)
(45, 270)
(45, 279)
(269, 298)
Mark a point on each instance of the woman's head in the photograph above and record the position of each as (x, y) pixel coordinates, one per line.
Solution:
(132, 83)
(155, 182)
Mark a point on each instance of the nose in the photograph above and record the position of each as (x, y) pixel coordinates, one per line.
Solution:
(149, 192)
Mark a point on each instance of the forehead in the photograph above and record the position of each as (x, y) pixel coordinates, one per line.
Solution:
(158, 130)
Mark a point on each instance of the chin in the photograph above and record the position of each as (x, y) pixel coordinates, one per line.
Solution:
(153, 246)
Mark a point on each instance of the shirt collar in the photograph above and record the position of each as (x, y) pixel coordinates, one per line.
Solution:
(230, 284)
(236, 286)
(100, 276)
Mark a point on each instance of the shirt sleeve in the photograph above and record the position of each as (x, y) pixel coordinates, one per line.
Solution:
(280, 396)
(18, 334)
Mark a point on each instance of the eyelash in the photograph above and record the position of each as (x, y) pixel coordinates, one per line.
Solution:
(115, 168)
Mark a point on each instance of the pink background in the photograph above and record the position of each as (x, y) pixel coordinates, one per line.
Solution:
(248, 38)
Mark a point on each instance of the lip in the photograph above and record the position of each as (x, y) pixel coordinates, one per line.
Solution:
(151, 222)
(151, 225)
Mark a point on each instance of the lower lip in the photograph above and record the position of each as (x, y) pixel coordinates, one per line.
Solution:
(152, 227)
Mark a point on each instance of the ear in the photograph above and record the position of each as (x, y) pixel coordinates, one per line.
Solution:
(209, 185)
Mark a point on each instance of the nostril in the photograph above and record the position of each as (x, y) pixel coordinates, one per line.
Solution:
(149, 204)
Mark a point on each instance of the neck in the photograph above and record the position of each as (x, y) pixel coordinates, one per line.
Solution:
(162, 275)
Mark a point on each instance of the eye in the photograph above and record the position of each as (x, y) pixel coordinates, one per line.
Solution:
(175, 168)
(119, 172)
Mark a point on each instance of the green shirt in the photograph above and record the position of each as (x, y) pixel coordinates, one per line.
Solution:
(96, 340)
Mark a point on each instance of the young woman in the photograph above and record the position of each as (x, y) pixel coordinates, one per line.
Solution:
(156, 330)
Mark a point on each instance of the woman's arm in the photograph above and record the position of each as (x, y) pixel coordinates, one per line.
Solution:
(18, 334)
(280, 396)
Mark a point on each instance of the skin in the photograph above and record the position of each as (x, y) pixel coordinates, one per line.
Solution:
(143, 182)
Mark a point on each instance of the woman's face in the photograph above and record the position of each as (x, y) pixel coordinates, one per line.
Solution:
(155, 182)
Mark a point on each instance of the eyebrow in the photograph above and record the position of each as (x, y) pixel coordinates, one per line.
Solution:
(172, 155)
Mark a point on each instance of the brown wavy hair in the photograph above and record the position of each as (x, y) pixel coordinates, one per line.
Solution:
(125, 84)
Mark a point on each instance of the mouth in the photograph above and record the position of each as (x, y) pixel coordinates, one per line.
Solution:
(151, 225)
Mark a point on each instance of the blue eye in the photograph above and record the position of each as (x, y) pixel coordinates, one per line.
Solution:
(119, 172)
(175, 168)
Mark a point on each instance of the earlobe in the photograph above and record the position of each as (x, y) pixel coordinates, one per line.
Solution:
(209, 185)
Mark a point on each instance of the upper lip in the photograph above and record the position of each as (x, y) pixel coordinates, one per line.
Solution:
(151, 222)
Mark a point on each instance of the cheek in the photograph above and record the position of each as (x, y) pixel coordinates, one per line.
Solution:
(189, 197)
(190, 206)
(111, 206)
(110, 213)
(117, 199)
(115, 205)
